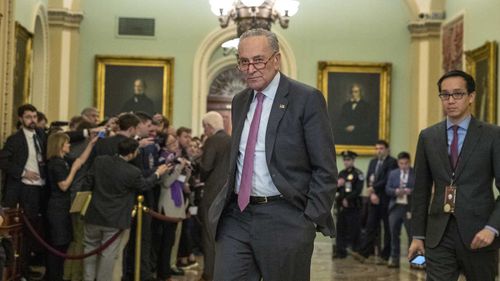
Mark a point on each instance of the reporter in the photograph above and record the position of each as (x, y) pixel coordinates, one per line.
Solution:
(60, 176)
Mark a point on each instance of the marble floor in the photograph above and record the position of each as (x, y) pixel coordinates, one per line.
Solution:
(326, 269)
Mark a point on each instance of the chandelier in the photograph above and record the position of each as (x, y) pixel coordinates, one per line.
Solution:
(250, 14)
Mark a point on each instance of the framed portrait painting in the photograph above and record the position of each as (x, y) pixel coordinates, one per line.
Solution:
(130, 84)
(358, 99)
(482, 65)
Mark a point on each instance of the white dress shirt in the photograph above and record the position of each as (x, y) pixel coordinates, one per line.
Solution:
(32, 162)
(262, 183)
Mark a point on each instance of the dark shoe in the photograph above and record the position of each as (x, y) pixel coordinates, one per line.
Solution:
(177, 271)
(359, 257)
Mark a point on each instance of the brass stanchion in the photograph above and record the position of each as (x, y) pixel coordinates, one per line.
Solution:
(137, 275)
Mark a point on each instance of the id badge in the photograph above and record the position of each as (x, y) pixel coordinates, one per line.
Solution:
(348, 187)
(449, 199)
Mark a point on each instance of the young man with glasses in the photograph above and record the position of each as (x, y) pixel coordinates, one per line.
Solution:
(455, 217)
(282, 172)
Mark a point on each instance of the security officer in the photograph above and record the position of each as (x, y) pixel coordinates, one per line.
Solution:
(350, 185)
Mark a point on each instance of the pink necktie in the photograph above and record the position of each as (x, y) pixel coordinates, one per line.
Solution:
(248, 161)
(454, 147)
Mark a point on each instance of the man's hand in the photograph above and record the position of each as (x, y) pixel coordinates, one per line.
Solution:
(416, 247)
(370, 190)
(162, 169)
(374, 199)
(31, 176)
(345, 203)
(482, 239)
(146, 141)
(340, 182)
(399, 192)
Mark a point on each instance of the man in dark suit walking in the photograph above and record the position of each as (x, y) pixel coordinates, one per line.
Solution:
(455, 217)
(378, 172)
(282, 172)
(214, 164)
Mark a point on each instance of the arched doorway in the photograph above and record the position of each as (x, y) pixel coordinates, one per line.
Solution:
(207, 66)
(39, 88)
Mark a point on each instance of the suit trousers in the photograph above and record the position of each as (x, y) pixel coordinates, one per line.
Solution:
(397, 217)
(376, 215)
(348, 229)
(208, 244)
(100, 267)
(163, 243)
(29, 198)
(273, 241)
(451, 257)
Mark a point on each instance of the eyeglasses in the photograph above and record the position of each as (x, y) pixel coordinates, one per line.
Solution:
(456, 95)
(259, 64)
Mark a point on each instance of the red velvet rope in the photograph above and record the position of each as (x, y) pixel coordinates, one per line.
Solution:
(159, 216)
(64, 255)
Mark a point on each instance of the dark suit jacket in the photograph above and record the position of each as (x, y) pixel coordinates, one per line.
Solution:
(115, 183)
(214, 165)
(300, 152)
(16, 152)
(394, 182)
(478, 165)
(381, 176)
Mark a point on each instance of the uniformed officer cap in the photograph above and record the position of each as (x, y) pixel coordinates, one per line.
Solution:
(349, 154)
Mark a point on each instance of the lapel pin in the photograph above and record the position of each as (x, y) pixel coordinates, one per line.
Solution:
(282, 106)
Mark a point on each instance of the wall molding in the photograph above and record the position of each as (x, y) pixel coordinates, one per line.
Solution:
(65, 18)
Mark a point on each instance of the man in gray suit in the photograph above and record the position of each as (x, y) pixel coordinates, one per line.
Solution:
(282, 172)
(455, 217)
(214, 163)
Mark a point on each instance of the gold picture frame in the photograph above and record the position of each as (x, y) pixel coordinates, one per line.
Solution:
(482, 65)
(115, 77)
(22, 70)
(358, 99)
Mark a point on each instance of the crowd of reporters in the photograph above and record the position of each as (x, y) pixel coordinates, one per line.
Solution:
(117, 159)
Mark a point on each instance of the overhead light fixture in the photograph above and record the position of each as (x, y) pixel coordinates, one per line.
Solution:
(250, 14)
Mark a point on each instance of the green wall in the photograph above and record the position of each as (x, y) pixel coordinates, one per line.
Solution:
(336, 30)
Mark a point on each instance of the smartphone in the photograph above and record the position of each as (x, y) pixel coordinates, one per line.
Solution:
(418, 260)
(101, 134)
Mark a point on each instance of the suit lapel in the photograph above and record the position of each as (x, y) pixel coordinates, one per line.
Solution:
(442, 146)
(278, 109)
(471, 139)
(238, 128)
